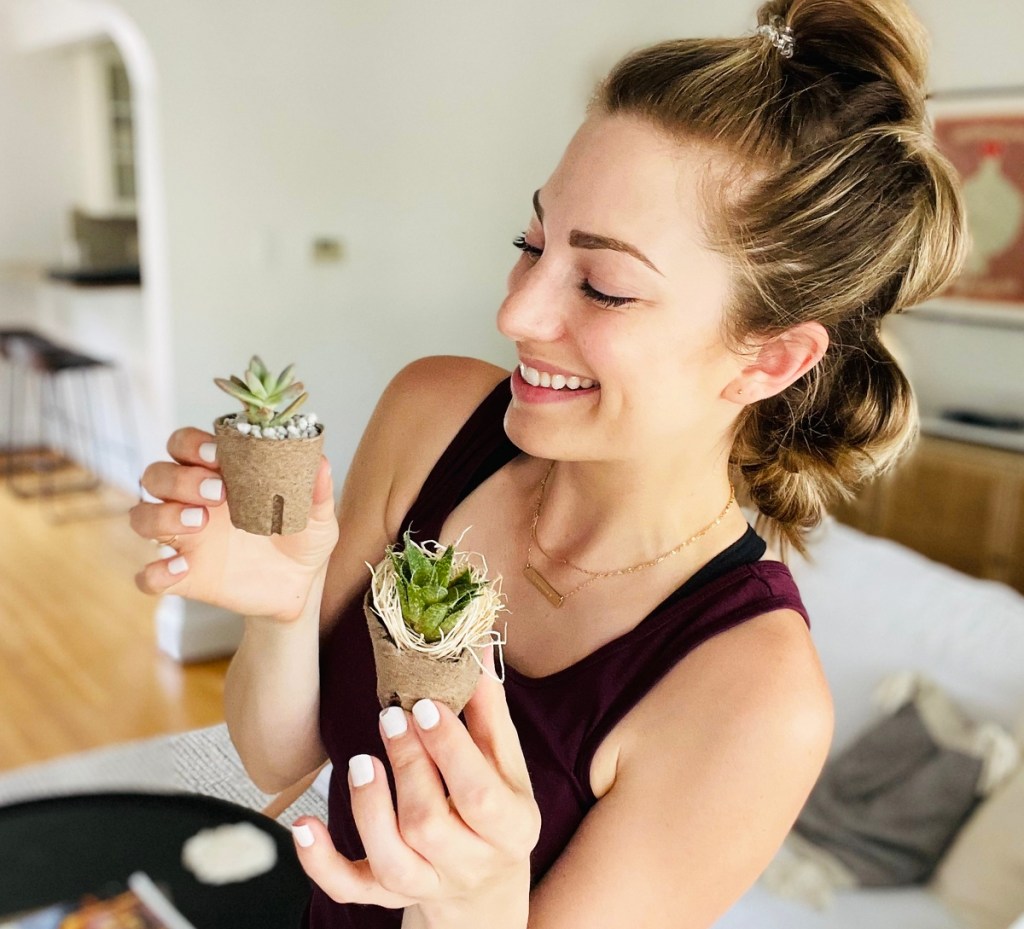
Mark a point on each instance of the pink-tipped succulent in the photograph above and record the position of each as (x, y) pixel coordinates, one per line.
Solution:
(268, 400)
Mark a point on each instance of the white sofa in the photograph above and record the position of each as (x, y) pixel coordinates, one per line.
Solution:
(877, 607)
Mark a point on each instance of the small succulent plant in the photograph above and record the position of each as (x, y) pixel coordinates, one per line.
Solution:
(268, 400)
(431, 599)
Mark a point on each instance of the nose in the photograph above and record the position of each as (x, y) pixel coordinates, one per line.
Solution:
(533, 310)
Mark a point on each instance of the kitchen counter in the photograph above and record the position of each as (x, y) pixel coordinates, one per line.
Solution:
(127, 276)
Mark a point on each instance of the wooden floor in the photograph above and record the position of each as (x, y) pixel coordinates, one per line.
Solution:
(79, 666)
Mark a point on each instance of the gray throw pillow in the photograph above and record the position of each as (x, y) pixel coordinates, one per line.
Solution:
(891, 804)
(884, 811)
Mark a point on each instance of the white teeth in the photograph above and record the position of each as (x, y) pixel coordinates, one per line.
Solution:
(554, 381)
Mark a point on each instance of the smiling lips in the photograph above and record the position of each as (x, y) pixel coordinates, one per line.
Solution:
(537, 378)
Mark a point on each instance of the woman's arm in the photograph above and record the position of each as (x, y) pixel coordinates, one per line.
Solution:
(271, 697)
(725, 752)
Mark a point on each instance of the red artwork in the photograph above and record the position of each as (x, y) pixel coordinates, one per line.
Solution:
(987, 149)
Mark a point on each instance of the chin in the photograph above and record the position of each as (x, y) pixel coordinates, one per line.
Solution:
(548, 441)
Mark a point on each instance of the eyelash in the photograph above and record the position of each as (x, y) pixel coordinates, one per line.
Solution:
(601, 299)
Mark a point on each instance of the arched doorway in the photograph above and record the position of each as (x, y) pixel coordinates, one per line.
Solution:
(38, 26)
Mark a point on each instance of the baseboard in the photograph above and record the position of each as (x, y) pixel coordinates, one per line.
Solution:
(191, 631)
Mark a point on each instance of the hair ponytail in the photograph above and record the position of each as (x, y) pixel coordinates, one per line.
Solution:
(847, 420)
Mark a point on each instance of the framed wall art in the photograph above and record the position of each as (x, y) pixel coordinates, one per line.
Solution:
(982, 133)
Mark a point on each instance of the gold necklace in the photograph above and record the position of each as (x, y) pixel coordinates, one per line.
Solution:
(555, 598)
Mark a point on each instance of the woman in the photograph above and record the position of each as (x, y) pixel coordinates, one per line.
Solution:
(698, 297)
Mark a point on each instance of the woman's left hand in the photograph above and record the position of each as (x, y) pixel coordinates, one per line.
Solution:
(460, 853)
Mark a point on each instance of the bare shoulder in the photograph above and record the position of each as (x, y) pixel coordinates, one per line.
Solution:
(709, 779)
(451, 388)
(767, 666)
(761, 680)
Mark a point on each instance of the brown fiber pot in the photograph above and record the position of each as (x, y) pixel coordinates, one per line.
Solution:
(268, 483)
(405, 676)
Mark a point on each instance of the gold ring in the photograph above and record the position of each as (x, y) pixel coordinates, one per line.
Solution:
(172, 541)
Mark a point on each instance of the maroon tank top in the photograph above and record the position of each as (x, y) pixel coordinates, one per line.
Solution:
(561, 718)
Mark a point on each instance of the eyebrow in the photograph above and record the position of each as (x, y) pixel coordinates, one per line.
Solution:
(579, 239)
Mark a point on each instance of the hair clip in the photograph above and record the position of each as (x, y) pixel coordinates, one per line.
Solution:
(780, 34)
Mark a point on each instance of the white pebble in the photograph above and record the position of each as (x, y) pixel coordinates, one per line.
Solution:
(257, 431)
(243, 428)
(303, 423)
(311, 418)
(293, 431)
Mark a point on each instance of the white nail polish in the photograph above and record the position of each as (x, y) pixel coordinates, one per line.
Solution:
(303, 835)
(360, 769)
(192, 517)
(178, 566)
(392, 721)
(211, 488)
(166, 551)
(208, 451)
(426, 713)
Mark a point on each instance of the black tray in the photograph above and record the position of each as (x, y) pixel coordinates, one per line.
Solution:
(62, 847)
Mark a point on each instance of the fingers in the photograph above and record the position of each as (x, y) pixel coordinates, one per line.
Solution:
(342, 880)
(323, 493)
(490, 724)
(159, 521)
(192, 491)
(184, 490)
(191, 446)
(396, 866)
(159, 576)
(166, 480)
(479, 794)
(423, 812)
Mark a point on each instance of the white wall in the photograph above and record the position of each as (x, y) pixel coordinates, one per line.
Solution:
(414, 132)
(974, 44)
(38, 167)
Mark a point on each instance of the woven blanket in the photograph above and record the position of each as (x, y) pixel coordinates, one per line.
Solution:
(201, 761)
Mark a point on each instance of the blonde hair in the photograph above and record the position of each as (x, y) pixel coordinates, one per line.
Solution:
(846, 212)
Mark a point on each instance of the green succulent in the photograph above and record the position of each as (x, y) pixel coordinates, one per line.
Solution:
(431, 599)
(264, 395)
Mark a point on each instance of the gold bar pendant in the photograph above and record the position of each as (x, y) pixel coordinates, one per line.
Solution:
(538, 581)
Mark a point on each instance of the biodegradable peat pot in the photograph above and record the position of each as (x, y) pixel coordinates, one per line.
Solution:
(268, 482)
(405, 676)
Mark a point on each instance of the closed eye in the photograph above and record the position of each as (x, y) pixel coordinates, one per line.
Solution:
(532, 253)
(524, 246)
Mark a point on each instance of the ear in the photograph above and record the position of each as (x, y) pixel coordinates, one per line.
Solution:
(777, 363)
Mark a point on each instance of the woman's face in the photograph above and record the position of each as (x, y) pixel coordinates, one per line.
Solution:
(615, 286)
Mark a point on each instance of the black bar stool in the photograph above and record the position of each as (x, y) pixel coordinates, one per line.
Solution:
(14, 341)
(69, 400)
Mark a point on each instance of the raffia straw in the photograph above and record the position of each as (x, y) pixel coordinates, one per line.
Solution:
(473, 629)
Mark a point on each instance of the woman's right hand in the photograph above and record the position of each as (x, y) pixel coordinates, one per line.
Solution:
(250, 574)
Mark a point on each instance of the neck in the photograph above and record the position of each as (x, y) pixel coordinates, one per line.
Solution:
(606, 515)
